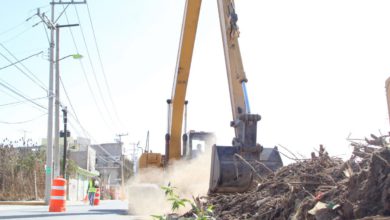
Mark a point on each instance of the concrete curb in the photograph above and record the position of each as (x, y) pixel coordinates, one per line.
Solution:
(37, 203)
(22, 203)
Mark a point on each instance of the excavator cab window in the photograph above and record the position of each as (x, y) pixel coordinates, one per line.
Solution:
(198, 143)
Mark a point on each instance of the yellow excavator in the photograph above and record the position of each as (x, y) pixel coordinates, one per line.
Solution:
(230, 170)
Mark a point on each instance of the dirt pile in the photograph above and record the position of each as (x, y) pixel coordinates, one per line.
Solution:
(320, 188)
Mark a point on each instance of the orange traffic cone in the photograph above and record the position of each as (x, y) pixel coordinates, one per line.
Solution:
(96, 201)
(57, 198)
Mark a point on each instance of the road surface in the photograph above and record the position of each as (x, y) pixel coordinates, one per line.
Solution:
(107, 209)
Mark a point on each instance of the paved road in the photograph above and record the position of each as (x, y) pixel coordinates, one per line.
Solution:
(108, 209)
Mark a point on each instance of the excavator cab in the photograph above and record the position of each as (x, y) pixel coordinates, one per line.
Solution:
(196, 143)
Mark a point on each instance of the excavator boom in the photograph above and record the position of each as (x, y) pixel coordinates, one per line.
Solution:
(230, 171)
(176, 103)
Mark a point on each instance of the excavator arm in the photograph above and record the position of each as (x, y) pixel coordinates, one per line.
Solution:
(229, 171)
(234, 68)
(229, 168)
(177, 101)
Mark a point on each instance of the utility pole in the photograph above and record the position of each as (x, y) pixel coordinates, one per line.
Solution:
(65, 114)
(56, 153)
(122, 164)
(56, 146)
(49, 151)
(135, 152)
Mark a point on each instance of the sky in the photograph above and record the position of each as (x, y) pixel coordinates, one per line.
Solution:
(316, 70)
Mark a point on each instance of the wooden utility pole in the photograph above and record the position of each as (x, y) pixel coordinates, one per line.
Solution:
(122, 164)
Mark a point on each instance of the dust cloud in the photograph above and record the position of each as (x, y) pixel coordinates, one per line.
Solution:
(189, 177)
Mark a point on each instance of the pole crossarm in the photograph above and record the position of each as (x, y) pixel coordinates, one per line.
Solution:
(60, 2)
(67, 25)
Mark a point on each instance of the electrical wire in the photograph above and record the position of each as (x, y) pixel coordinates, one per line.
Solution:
(86, 78)
(17, 35)
(85, 132)
(74, 112)
(24, 73)
(67, 97)
(34, 79)
(9, 94)
(19, 61)
(14, 97)
(74, 128)
(103, 70)
(21, 102)
(13, 28)
(47, 34)
(88, 135)
(9, 87)
(93, 68)
(23, 122)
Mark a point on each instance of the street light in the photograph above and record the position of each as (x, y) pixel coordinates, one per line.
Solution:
(56, 154)
(75, 56)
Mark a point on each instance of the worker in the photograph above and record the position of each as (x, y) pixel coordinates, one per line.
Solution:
(91, 190)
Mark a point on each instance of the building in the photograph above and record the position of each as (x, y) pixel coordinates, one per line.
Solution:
(84, 157)
(109, 160)
(83, 154)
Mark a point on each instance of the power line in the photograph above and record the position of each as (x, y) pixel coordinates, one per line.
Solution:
(47, 34)
(86, 78)
(67, 97)
(14, 63)
(88, 135)
(14, 97)
(13, 28)
(33, 78)
(74, 128)
(85, 132)
(9, 94)
(21, 102)
(9, 87)
(102, 67)
(93, 69)
(17, 35)
(23, 122)
(24, 73)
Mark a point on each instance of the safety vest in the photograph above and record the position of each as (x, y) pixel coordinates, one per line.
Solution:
(91, 187)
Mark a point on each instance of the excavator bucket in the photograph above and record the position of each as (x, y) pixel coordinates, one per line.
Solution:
(232, 170)
(228, 173)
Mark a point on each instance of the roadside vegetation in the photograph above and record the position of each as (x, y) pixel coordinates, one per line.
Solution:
(22, 172)
(198, 210)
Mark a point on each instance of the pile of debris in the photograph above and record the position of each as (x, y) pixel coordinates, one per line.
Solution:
(319, 188)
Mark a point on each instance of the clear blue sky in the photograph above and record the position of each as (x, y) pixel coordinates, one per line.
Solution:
(316, 70)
